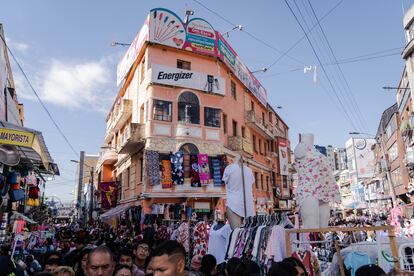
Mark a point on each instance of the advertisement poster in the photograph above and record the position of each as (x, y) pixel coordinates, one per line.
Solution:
(203, 169)
(201, 37)
(283, 157)
(167, 28)
(108, 194)
(365, 158)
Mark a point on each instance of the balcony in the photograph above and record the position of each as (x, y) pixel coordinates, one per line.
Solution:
(108, 156)
(238, 143)
(132, 138)
(120, 114)
(258, 124)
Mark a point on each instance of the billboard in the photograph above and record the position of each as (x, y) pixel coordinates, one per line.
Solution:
(365, 158)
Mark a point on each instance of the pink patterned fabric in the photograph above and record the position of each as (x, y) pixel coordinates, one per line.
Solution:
(200, 239)
(316, 178)
(203, 169)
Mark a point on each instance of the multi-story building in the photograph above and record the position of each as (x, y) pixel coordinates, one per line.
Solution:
(187, 91)
(340, 159)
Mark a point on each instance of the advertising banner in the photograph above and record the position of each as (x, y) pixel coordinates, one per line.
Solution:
(131, 55)
(16, 137)
(187, 79)
(365, 158)
(201, 37)
(283, 157)
(108, 194)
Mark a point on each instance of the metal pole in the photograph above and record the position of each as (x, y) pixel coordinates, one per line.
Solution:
(387, 173)
(91, 195)
(80, 182)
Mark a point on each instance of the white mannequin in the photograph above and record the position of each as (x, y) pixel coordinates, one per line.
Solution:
(313, 211)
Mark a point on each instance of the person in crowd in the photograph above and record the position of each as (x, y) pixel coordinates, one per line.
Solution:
(80, 266)
(8, 268)
(169, 259)
(63, 271)
(196, 263)
(371, 270)
(32, 265)
(297, 264)
(126, 257)
(252, 268)
(282, 269)
(122, 270)
(51, 265)
(141, 253)
(100, 262)
(148, 266)
(235, 267)
(208, 265)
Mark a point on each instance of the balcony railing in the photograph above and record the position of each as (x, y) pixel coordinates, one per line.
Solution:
(108, 156)
(258, 124)
(132, 138)
(238, 143)
(121, 112)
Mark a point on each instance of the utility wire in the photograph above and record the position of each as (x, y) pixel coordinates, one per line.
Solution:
(39, 99)
(322, 66)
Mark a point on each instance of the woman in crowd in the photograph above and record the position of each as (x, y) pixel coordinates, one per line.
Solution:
(122, 270)
(208, 265)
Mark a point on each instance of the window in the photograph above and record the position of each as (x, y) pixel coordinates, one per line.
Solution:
(260, 146)
(212, 117)
(189, 148)
(182, 64)
(234, 124)
(224, 123)
(265, 147)
(396, 177)
(256, 179)
(285, 182)
(263, 118)
(146, 111)
(391, 127)
(142, 70)
(267, 183)
(270, 117)
(393, 152)
(254, 143)
(261, 181)
(141, 169)
(128, 175)
(251, 105)
(243, 132)
(233, 90)
(162, 110)
(188, 108)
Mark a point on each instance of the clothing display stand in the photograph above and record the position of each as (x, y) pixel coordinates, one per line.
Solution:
(388, 228)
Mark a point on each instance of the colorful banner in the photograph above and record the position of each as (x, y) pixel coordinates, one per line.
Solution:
(131, 55)
(283, 157)
(201, 37)
(203, 169)
(16, 137)
(166, 176)
(166, 28)
(108, 194)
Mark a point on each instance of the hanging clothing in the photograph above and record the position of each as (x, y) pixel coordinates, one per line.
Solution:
(204, 169)
(166, 177)
(152, 167)
(217, 242)
(355, 260)
(233, 179)
(216, 172)
(306, 259)
(315, 178)
(177, 160)
(195, 178)
(200, 239)
(183, 236)
(187, 166)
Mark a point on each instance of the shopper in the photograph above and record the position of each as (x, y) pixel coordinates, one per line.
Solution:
(169, 259)
(141, 253)
(252, 268)
(208, 265)
(63, 271)
(122, 270)
(100, 262)
(81, 260)
(297, 264)
(126, 257)
(282, 269)
(235, 267)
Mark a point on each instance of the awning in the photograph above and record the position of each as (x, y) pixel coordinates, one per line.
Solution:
(29, 145)
(115, 211)
(17, 215)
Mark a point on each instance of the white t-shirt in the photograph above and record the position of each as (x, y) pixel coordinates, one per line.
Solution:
(233, 178)
(218, 241)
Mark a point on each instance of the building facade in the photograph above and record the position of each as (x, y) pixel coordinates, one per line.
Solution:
(182, 114)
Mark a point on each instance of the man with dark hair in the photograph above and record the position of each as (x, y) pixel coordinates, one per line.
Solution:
(126, 257)
(141, 253)
(169, 259)
(100, 262)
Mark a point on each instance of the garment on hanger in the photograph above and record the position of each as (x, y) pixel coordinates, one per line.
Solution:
(153, 168)
(217, 242)
(306, 259)
(203, 169)
(177, 161)
(183, 236)
(355, 260)
(216, 172)
(200, 239)
(195, 178)
(166, 176)
(187, 166)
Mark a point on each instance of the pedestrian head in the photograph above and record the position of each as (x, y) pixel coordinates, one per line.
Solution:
(51, 265)
(126, 257)
(100, 262)
(122, 270)
(252, 268)
(282, 269)
(168, 259)
(196, 262)
(297, 264)
(63, 271)
(141, 251)
(235, 267)
(208, 265)
(372, 270)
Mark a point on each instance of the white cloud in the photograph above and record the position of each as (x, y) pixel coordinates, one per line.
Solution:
(18, 46)
(87, 85)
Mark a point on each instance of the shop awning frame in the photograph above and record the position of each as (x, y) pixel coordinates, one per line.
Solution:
(115, 211)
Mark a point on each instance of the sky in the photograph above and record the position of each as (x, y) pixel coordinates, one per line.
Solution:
(65, 49)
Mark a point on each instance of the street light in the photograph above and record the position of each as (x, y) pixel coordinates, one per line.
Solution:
(114, 43)
(264, 69)
(238, 27)
(387, 167)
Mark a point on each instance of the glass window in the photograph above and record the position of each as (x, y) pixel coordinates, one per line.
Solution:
(243, 132)
(391, 127)
(224, 123)
(267, 183)
(396, 177)
(254, 143)
(189, 148)
(233, 90)
(162, 110)
(393, 152)
(261, 181)
(182, 64)
(234, 128)
(188, 108)
(284, 182)
(212, 117)
(252, 105)
(256, 179)
(260, 146)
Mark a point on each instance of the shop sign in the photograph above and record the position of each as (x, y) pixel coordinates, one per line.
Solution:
(187, 79)
(283, 157)
(131, 55)
(166, 28)
(16, 137)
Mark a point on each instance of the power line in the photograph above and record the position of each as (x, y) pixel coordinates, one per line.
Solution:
(322, 66)
(39, 99)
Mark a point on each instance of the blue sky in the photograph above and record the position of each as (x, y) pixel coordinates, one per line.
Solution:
(65, 49)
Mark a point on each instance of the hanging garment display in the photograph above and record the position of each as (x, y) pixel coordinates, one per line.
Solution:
(195, 179)
(187, 168)
(166, 177)
(218, 241)
(153, 168)
(204, 169)
(31, 180)
(216, 172)
(177, 161)
(200, 239)
(16, 195)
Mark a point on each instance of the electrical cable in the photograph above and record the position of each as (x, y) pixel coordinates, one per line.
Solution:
(323, 67)
(39, 99)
